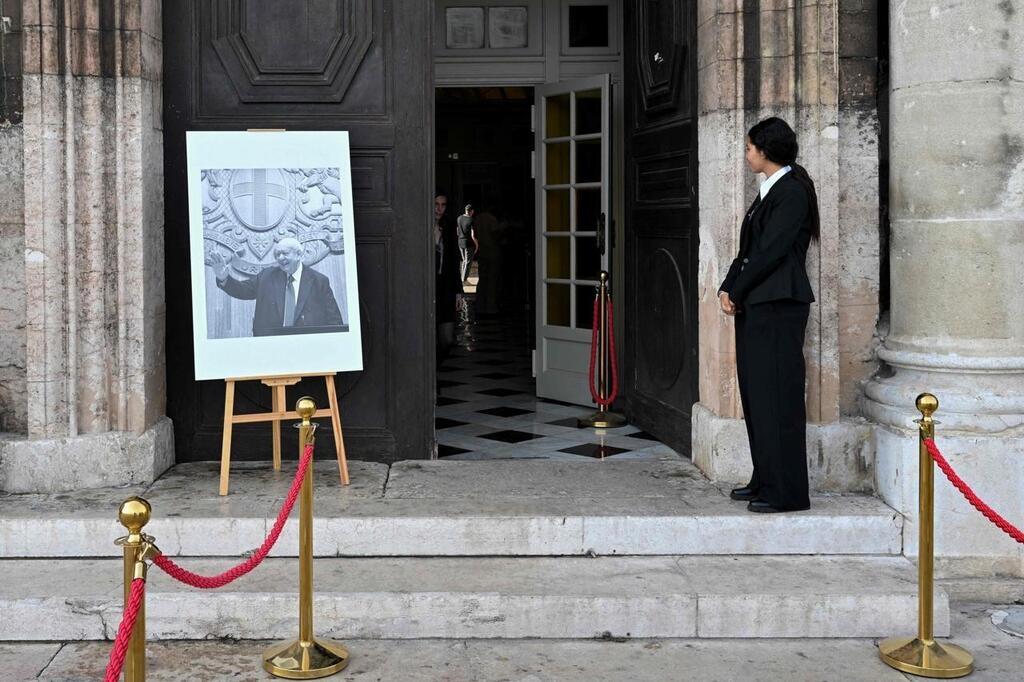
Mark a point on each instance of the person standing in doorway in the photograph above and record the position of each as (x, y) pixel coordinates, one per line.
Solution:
(466, 235)
(768, 293)
(448, 284)
(490, 236)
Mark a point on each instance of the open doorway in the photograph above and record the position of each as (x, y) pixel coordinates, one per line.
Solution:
(483, 142)
(487, 403)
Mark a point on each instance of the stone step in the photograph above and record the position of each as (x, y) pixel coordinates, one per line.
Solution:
(570, 597)
(420, 508)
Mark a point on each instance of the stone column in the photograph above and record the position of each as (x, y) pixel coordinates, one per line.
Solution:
(93, 248)
(957, 271)
(757, 59)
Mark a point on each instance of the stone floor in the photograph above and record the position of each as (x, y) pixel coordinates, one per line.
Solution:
(994, 634)
(488, 407)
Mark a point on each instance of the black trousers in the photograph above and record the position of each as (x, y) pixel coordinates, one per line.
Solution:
(770, 367)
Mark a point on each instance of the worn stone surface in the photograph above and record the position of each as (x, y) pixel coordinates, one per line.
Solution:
(840, 455)
(12, 280)
(453, 508)
(793, 74)
(482, 597)
(998, 656)
(91, 461)
(966, 543)
(518, 660)
(89, 268)
(957, 257)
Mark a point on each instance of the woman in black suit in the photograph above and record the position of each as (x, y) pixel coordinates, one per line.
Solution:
(768, 292)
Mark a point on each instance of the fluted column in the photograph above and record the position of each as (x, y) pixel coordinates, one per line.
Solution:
(956, 267)
(93, 247)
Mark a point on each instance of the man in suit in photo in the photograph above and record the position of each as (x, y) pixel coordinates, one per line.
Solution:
(288, 295)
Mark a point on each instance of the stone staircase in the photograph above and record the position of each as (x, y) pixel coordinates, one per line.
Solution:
(501, 549)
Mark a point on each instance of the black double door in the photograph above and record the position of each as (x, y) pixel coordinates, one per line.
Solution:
(363, 66)
(660, 349)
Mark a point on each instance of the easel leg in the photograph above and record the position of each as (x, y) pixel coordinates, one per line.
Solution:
(225, 448)
(339, 443)
(277, 401)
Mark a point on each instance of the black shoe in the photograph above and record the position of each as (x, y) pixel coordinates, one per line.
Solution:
(744, 494)
(762, 507)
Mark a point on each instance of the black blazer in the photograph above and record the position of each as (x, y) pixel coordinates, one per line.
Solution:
(773, 248)
(315, 305)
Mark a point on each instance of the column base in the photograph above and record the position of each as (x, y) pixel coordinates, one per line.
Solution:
(840, 455)
(967, 545)
(89, 461)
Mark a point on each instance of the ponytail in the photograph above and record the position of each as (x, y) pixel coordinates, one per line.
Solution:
(800, 174)
(776, 139)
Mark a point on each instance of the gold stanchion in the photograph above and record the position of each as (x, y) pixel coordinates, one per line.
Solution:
(305, 658)
(922, 655)
(134, 514)
(603, 419)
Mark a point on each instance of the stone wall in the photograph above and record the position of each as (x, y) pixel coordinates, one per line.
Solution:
(757, 59)
(92, 266)
(12, 231)
(859, 215)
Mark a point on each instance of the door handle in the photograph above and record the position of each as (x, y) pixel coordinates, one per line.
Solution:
(600, 234)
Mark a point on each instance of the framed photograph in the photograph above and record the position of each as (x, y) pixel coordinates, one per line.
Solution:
(272, 245)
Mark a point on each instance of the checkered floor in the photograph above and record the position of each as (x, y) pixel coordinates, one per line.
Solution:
(488, 408)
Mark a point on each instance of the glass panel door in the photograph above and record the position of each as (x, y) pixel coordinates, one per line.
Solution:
(573, 205)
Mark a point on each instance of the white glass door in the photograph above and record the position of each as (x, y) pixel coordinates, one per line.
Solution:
(573, 151)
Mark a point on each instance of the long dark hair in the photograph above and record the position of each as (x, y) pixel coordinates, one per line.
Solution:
(776, 139)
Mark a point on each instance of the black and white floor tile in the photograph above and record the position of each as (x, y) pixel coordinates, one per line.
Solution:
(488, 408)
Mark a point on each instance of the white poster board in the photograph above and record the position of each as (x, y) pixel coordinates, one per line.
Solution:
(272, 245)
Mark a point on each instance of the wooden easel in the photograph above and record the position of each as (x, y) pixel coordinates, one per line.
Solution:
(280, 412)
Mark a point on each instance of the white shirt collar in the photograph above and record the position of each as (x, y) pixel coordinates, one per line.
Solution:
(767, 184)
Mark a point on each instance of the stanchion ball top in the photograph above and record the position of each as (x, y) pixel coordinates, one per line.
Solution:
(305, 407)
(927, 404)
(134, 513)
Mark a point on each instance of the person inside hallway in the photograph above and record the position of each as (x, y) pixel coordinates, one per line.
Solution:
(466, 235)
(768, 293)
(448, 283)
(287, 296)
(490, 236)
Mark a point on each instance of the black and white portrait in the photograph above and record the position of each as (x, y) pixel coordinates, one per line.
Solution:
(273, 263)
(274, 245)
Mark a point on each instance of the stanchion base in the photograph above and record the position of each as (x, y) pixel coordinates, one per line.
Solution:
(926, 658)
(297, 660)
(602, 420)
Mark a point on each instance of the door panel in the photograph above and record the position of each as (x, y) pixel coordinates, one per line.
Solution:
(660, 349)
(573, 201)
(314, 65)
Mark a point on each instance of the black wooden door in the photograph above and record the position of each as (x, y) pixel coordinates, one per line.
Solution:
(358, 65)
(660, 354)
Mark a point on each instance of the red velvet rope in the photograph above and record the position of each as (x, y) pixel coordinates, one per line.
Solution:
(611, 350)
(965, 489)
(593, 353)
(124, 631)
(594, 395)
(210, 582)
